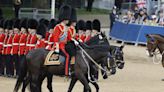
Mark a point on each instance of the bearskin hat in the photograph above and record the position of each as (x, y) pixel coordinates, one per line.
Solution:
(96, 25)
(1, 23)
(81, 25)
(41, 30)
(52, 24)
(88, 25)
(5, 23)
(73, 15)
(64, 13)
(24, 23)
(44, 21)
(10, 24)
(32, 24)
(16, 24)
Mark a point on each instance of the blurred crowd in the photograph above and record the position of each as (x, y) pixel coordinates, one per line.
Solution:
(138, 16)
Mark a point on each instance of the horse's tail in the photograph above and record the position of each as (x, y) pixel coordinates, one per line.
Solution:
(22, 73)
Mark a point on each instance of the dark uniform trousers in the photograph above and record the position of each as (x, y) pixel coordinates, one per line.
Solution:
(15, 59)
(2, 64)
(9, 65)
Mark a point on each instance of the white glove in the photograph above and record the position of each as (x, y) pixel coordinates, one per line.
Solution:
(57, 50)
(75, 42)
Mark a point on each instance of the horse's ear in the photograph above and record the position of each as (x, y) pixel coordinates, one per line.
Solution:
(122, 46)
(147, 36)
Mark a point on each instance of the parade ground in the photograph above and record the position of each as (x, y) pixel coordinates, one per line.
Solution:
(138, 75)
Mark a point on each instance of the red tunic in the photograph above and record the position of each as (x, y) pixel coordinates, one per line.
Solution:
(2, 38)
(71, 33)
(22, 44)
(50, 42)
(15, 44)
(46, 38)
(40, 43)
(9, 45)
(33, 42)
(87, 38)
(27, 43)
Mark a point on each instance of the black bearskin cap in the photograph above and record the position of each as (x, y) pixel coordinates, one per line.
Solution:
(44, 21)
(5, 23)
(64, 13)
(32, 24)
(81, 25)
(10, 24)
(41, 30)
(1, 23)
(16, 24)
(24, 23)
(88, 25)
(96, 25)
(73, 15)
(52, 24)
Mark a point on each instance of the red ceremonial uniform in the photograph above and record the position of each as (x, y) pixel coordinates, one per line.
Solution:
(46, 38)
(60, 35)
(9, 45)
(22, 44)
(2, 38)
(33, 42)
(71, 33)
(27, 43)
(50, 42)
(15, 44)
(40, 43)
(87, 38)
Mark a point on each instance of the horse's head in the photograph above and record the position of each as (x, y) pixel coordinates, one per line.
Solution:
(119, 56)
(151, 44)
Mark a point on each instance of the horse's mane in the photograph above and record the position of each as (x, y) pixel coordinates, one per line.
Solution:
(159, 37)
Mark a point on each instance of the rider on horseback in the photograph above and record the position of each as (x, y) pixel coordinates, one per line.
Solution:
(60, 34)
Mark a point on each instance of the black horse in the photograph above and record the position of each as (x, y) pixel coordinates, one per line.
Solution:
(34, 69)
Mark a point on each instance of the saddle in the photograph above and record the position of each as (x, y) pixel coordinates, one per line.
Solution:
(55, 59)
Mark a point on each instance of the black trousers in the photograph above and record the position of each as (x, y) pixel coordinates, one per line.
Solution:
(15, 59)
(17, 7)
(2, 64)
(9, 65)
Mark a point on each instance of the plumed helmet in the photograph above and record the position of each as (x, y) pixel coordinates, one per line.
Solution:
(16, 24)
(10, 24)
(32, 24)
(1, 23)
(73, 15)
(81, 25)
(88, 25)
(24, 23)
(64, 13)
(41, 30)
(52, 24)
(96, 25)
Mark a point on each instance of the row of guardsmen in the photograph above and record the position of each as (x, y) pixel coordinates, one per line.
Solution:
(19, 36)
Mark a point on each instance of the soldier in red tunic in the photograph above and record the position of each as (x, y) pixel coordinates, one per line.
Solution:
(8, 47)
(33, 39)
(2, 37)
(49, 35)
(41, 33)
(23, 39)
(88, 30)
(15, 44)
(80, 36)
(96, 27)
(61, 32)
(70, 47)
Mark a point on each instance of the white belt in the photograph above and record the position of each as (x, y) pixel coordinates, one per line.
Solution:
(31, 45)
(22, 44)
(46, 41)
(15, 43)
(50, 42)
(4, 45)
(9, 45)
(1, 43)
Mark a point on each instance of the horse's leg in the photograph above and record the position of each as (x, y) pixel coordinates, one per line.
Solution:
(34, 85)
(49, 81)
(96, 85)
(82, 78)
(72, 84)
(25, 83)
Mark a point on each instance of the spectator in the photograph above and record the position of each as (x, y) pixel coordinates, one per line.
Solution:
(142, 18)
(136, 12)
(160, 19)
(129, 17)
(113, 16)
(17, 4)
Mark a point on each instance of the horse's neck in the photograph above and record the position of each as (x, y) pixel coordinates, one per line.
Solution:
(161, 48)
